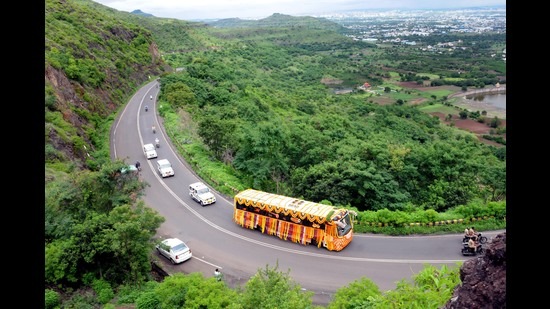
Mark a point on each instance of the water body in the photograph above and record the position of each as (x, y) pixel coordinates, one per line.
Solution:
(491, 100)
(497, 100)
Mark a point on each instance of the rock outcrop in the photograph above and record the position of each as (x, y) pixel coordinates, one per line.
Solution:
(483, 279)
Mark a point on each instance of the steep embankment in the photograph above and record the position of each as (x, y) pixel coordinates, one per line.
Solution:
(93, 62)
(483, 279)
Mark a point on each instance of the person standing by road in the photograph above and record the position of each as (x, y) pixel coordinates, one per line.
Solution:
(218, 275)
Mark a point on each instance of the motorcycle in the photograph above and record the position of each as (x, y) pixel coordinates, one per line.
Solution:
(146, 108)
(467, 251)
(154, 129)
(157, 142)
(480, 238)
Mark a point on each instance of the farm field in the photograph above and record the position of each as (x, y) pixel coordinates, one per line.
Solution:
(470, 125)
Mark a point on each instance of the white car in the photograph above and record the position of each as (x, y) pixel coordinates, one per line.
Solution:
(149, 151)
(164, 168)
(175, 250)
(201, 193)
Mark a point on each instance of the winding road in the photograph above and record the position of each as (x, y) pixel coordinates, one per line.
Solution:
(217, 242)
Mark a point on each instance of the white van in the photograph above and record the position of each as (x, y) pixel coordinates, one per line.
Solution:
(164, 168)
(201, 193)
(149, 151)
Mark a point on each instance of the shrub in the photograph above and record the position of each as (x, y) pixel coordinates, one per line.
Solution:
(52, 299)
(103, 290)
(147, 300)
(358, 294)
(431, 215)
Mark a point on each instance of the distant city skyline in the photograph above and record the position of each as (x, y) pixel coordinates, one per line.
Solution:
(255, 9)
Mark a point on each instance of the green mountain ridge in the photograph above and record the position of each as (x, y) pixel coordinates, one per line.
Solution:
(141, 13)
(278, 20)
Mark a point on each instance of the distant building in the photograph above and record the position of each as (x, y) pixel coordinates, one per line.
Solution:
(365, 86)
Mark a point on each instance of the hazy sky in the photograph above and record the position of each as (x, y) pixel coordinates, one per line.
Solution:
(252, 9)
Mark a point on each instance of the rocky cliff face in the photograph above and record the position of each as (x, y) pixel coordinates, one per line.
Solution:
(483, 279)
(91, 68)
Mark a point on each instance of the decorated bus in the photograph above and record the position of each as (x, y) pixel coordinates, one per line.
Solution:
(294, 219)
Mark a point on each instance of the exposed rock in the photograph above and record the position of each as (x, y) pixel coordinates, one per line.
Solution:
(483, 279)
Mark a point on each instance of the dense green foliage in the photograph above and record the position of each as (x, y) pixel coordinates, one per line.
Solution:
(282, 291)
(96, 226)
(269, 288)
(259, 106)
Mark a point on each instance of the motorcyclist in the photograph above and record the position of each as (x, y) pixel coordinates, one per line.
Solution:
(151, 97)
(472, 233)
(154, 129)
(138, 165)
(157, 142)
(146, 108)
(472, 245)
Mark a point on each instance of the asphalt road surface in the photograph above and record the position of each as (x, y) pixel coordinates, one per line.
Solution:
(217, 242)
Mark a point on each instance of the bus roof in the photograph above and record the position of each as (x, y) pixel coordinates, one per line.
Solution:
(314, 212)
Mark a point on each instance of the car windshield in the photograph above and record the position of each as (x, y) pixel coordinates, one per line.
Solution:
(180, 247)
(165, 165)
(203, 190)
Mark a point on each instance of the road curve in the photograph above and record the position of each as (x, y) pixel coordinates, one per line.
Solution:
(217, 242)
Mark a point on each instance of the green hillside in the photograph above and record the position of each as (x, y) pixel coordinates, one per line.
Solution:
(255, 104)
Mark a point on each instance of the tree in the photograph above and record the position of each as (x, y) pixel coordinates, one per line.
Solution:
(431, 288)
(360, 293)
(193, 291)
(270, 288)
(261, 154)
(217, 134)
(447, 172)
(178, 94)
(493, 178)
(495, 122)
(95, 226)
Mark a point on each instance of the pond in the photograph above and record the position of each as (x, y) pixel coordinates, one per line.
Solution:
(495, 99)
